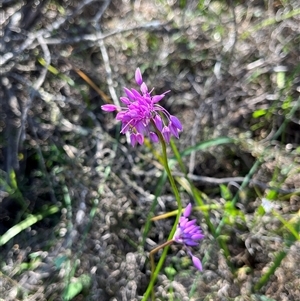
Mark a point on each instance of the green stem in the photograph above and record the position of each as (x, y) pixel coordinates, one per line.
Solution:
(171, 179)
(28, 222)
(178, 200)
(151, 255)
(266, 277)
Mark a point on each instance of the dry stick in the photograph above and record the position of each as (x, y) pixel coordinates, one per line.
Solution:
(102, 36)
(91, 83)
(152, 262)
(232, 180)
(31, 37)
(100, 13)
(111, 88)
(104, 53)
(105, 57)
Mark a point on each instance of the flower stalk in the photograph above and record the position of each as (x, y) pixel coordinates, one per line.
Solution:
(141, 116)
(155, 272)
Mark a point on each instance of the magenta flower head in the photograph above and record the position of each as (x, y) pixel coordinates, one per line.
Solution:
(142, 115)
(189, 234)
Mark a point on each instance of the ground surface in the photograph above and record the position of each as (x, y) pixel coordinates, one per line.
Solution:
(76, 199)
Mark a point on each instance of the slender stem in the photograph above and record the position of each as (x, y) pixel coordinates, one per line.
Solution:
(155, 273)
(155, 250)
(151, 255)
(266, 277)
(166, 166)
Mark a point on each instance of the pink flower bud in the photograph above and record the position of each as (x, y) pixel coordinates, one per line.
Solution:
(109, 108)
(138, 76)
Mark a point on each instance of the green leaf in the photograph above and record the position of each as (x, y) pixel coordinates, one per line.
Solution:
(261, 211)
(259, 113)
(54, 71)
(289, 225)
(76, 287)
(170, 271)
(29, 221)
(206, 144)
(287, 103)
(182, 4)
(201, 4)
(225, 192)
(272, 195)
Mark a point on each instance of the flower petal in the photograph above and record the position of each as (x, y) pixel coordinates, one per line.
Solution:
(144, 88)
(153, 137)
(187, 210)
(174, 130)
(197, 236)
(120, 115)
(136, 93)
(133, 139)
(166, 133)
(190, 242)
(191, 222)
(125, 100)
(197, 262)
(109, 108)
(157, 98)
(176, 122)
(129, 94)
(141, 128)
(158, 122)
(140, 138)
(138, 76)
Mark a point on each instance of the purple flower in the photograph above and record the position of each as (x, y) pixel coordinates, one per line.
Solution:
(141, 112)
(189, 234)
